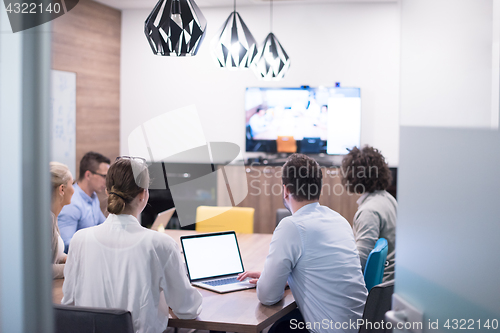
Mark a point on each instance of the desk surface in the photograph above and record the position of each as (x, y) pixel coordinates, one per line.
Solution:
(239, 311)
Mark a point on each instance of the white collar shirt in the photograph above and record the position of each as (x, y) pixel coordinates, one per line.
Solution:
(314, 250)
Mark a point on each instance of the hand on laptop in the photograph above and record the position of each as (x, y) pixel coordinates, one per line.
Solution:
(254, 276)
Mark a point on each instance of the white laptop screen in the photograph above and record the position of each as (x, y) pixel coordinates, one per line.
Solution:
(212, 255)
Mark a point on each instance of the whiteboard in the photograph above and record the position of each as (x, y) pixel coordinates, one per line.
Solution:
(63, 129)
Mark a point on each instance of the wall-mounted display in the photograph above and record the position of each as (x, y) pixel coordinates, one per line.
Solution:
(321, 120)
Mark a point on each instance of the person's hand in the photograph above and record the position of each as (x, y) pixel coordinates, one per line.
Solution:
(254, 276)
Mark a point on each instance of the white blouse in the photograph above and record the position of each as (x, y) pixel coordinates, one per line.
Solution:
(60, 249)
(120, 264)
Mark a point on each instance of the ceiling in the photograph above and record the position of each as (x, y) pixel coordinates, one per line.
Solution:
(149, 4)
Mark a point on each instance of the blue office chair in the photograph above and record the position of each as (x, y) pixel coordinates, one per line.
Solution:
(375, 264)
(310, 145)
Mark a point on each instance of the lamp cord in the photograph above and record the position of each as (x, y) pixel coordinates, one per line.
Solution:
(235, 6)
(271, 16)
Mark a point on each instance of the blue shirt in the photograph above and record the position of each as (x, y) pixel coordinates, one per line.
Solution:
(81, 213)
(314, 250)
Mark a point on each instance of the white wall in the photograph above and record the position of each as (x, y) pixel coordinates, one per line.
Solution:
(447, 63)
(355, 44)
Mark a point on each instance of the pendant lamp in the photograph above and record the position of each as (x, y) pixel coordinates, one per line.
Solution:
(175, 28)
(273, 61)
(233, 45)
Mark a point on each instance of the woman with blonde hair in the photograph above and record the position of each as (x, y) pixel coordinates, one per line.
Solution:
(120, 264)
(62, 191)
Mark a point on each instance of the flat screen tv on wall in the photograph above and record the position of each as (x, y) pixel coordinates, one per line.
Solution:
(312, 120)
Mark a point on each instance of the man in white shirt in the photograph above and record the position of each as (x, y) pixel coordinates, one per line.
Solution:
(260, 121)
(315, 252)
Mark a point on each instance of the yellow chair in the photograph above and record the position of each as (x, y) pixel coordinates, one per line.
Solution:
(213, 219)
(286, 144)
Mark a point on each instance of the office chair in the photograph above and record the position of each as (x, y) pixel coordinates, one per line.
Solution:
(213, 219)
(77, 319)
(379, 301)
(375, 264)
(310, 145)
(286, 144)
(281, 213)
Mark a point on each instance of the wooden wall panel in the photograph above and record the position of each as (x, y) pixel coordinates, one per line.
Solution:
(264, 194)
(87, 41)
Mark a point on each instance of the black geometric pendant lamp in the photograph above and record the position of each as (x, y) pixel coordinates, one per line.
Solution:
(234, 45)
(175, 28)
(273, 61)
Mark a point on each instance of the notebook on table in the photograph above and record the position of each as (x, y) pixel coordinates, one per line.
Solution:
(213, 261)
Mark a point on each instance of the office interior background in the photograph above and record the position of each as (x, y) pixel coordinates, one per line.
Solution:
(429, 74)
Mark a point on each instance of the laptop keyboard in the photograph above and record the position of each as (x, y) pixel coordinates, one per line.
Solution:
(221, 282)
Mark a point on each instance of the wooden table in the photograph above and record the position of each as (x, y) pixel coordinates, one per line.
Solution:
(239, 311)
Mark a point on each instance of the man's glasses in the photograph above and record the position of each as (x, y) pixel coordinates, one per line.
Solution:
(97, 173)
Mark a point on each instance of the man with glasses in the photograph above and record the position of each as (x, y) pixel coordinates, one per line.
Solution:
(84, 210)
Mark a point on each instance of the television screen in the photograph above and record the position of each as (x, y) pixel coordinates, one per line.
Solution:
(305, 120)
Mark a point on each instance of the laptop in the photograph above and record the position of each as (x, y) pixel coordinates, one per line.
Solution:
(162, 219)
(213, 261)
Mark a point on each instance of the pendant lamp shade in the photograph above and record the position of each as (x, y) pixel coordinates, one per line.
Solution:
(273, 60)
(175, 28)
(234, 45)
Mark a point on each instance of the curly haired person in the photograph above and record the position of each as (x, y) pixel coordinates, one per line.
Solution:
(365, 171)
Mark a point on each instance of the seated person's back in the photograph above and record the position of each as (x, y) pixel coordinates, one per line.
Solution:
(120, 264)
(315, 252)
(326, 278)
(365, 172)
